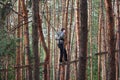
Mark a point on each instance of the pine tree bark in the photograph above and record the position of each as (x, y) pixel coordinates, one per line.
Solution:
(83, 40)
(26, 41)
(35, 25)
(90, 29)
(6, 66)
(47, 58)
(18, 33)
(103, 43)
(21, 50)
(99, 51)
(111, 41)
(119, 48)
(55, 46)
(77, 11)
(77, 25)
(63, 12)
(66, 39)
(68, 73)
(48, 31)
(65, 20)
(118, 38)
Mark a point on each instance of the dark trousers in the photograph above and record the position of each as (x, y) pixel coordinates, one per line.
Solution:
(63, 52)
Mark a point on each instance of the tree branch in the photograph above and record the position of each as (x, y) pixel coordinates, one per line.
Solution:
(12, 9)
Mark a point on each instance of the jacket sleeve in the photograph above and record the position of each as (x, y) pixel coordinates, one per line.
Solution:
(62, 35)
(57, 36)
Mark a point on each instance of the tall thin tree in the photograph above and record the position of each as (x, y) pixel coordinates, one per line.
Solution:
(47, 57)
(66, 38)
(18, 33)
(26, 41)
(83, 40)
(118, 26)
(110, 40)
(48, 31)
(119, 47)
(35, 25)
(103, 43)
(77, 11)
(90, 32)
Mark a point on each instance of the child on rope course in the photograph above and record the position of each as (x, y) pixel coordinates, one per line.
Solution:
(60, 43)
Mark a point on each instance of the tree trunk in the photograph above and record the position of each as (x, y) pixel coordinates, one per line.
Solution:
(35, 25)
(48, 31)
(63, 12)
(18, 33)
(26, 41)
(6, 66)
(76, 56)
(65, 21)
(21, 49)
(77, 25)
(103, 43)
(66, 39)
(55, 46)
(118, 38)
(68, 73)
(47, 58)
(111, 41)
(77, 11)
(90, 28)
(83, 41)
(99, 49)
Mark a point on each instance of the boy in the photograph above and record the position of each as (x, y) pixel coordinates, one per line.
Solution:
(60, 38)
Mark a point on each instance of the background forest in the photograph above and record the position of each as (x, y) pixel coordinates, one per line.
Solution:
(28, 49)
